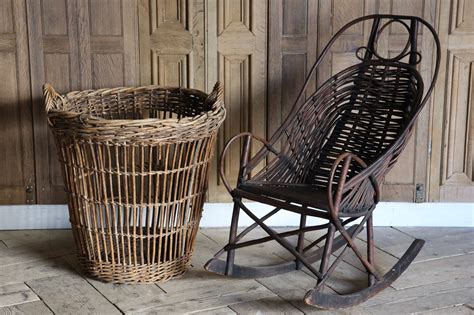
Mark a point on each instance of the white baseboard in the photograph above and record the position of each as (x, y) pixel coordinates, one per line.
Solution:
(386, 214)
(219, 214)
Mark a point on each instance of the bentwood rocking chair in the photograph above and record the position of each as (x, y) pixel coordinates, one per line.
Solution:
(338, 144)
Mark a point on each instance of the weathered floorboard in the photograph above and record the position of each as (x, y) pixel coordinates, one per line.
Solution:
(389, 240)
(413, 294)
(292, 287)
(434, 271)
(453, 310)
(23, 237)
(194, 298)
(437, 300)
(441, 282)
(34, 270)
(442, 241)
(271, 305)
(16, 293)
(383, 260)
(71, 295)
(116, 292)
(258, 255)
(36, 251)
(198, 277)
(217, 311)
(36, 308)
(205, 249)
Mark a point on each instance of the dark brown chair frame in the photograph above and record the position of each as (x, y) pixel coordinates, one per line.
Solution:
(315, 175)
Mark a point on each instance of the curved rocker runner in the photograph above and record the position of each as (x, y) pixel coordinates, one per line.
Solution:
(327, 160)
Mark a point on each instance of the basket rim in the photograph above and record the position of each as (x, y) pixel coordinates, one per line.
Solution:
(53, 99)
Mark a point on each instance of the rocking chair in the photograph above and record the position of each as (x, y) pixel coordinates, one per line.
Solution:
(338, 143)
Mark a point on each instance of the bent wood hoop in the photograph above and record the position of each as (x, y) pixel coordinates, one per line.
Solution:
(135, 164)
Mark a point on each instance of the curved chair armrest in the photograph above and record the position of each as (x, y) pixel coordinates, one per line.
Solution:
(246, 166)
(343, 186)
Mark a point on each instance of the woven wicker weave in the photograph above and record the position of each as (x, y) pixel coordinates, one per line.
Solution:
(135, 165)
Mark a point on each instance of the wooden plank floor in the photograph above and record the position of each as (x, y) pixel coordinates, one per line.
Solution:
(39, 275)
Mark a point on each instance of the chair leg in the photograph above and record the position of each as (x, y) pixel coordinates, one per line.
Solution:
(370, 247)
(232, 236)
(300, 245)
(327, 251)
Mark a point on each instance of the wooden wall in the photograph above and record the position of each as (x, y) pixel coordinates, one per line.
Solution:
(261, 50)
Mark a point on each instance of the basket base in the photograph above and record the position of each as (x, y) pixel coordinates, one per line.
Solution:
(138, 273)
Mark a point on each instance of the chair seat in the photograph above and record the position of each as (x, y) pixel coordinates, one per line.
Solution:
(306, 195)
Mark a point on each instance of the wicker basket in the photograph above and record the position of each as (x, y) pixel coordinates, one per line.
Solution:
(135, 164)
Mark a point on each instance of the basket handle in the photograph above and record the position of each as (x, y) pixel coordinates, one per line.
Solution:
(50, 97)
(216, 97)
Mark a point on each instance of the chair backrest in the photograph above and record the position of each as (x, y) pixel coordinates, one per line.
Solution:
(366, 109)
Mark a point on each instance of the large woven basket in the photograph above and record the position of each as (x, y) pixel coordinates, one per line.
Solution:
(135, 164)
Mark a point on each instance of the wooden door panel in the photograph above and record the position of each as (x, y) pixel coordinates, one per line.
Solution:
(452, 177)
(172, 43)
(334, 14)
(107, 70)
(10, 113)
(457, 184)
(54, 58)
(16, 146)
(105, 17)
(237, 58)
(108, 43)
(451, 170)
(292, 51)
(408, 180)
(75, 45)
